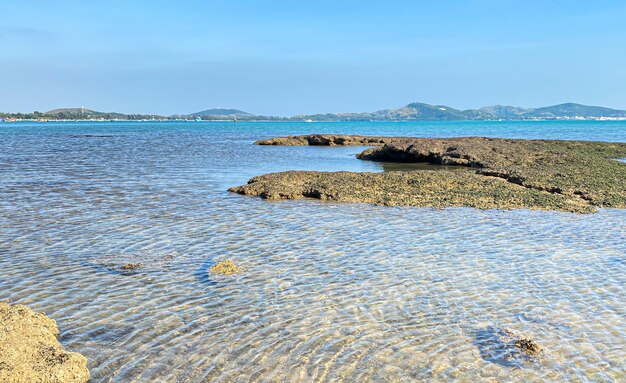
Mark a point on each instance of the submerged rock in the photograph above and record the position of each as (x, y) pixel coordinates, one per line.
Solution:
(131, 266)
(570, 176)
(528, 345)
(225, 268)
(131, 263)
(503, 346)
(30, 351)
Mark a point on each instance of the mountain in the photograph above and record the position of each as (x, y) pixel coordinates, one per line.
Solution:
(573, 110)
(83, 113)
(421, 111)
(219, 112)
(55, 112)
(502, 111)
(417, 111)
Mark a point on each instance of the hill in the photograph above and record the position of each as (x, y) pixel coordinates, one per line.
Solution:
(574, 110)
(83, 113)
(421, 111)
(500, 112)
(219, 112)
(417, 111)
(55, 112)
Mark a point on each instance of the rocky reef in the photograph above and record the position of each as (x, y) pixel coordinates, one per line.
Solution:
(574, 176)
(30, 351)
(326, 140)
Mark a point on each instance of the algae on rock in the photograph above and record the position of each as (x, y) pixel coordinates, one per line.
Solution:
(131, 266)
(31, 351)
(574, 176)
(225, 268)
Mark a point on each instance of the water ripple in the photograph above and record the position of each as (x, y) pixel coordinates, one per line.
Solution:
(329, 292)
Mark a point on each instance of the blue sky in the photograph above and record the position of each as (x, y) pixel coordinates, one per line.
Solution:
(293, 57)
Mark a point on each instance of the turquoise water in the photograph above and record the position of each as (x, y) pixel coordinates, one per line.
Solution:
(330, 292)
(573, 130)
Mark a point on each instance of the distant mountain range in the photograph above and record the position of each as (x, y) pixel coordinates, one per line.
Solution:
(425, 112)
(412, 112)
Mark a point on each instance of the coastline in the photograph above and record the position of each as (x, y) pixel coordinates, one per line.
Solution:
(289, 119)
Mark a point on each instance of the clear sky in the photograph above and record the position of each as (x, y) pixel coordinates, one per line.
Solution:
(298, 56)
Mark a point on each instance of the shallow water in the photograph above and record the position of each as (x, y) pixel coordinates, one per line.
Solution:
(330, 292)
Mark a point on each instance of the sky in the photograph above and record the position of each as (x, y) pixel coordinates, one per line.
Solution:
(302, 57)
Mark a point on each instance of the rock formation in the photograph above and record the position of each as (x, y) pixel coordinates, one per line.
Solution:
(30, 351)
(570, 176)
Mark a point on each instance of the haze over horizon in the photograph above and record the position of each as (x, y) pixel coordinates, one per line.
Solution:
(288, 58)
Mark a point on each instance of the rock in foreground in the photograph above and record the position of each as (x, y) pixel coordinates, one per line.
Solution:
(30, 351)
(570, 176)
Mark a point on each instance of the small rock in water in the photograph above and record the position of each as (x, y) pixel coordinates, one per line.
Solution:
(131, 266)
(225, 268)
(503, 346)
(528, 345)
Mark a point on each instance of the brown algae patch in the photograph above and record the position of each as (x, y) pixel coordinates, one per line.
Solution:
(30, 351)
(574, 176)
(227, 267)
(529, 346)
(131, 266)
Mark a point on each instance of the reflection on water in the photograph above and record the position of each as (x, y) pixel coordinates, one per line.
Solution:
(330, 292)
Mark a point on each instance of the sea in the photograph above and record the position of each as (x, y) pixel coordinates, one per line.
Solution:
(329, 292)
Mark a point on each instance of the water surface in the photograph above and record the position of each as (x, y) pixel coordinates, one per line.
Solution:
(330, 292)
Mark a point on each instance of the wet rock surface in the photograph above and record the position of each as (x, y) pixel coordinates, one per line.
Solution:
(131, 266)
(30, 351)
(438, 189)
(528, 345)
(225, 268)
(327, 140)
(573, 176)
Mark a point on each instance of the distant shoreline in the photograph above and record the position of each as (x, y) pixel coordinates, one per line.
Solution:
(415, 111)
(15, 120)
